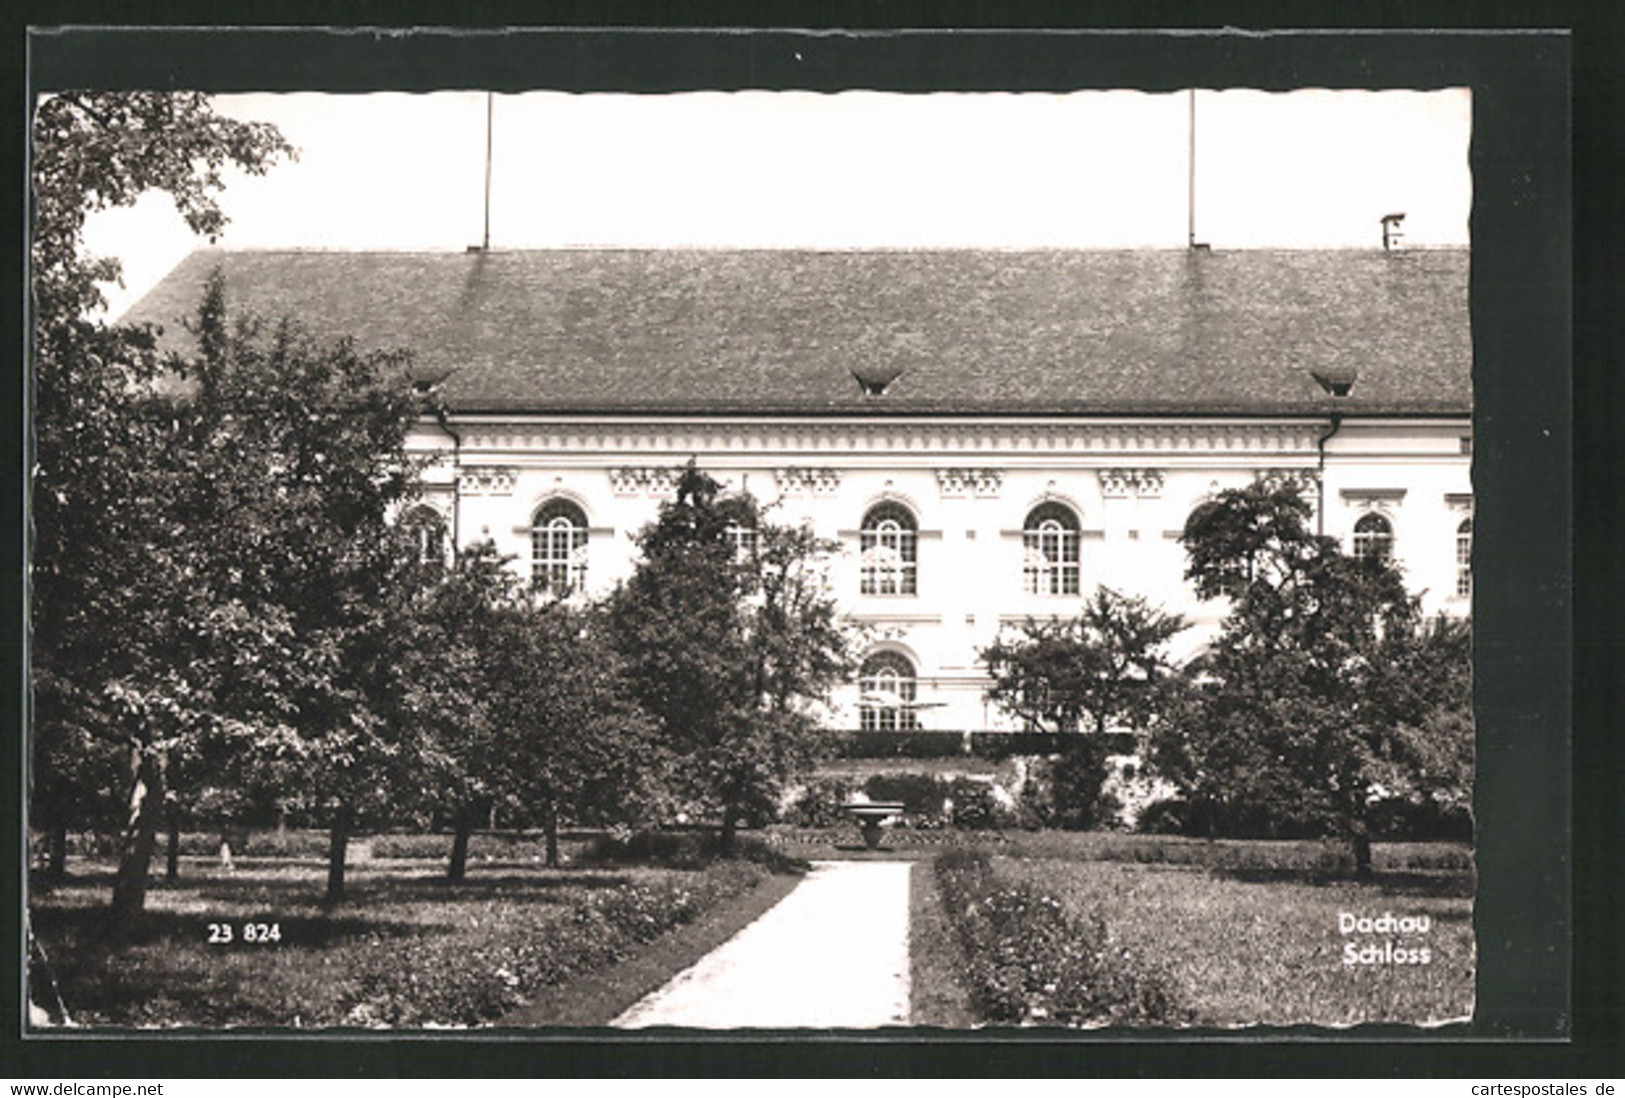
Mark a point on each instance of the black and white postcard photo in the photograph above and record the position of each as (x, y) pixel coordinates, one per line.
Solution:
(752, 559)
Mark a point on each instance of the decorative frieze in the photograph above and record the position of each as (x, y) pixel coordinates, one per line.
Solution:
(657, 481)
(1306, 481)
(1381, 500)
(486, 480)
(959, 483)
(796, 482)
(1122, 483)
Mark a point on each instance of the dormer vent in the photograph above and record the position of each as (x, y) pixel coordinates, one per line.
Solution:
(874, 379)
(426, 379)
(1336, 380)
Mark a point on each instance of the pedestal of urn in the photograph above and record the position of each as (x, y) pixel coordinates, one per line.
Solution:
(870, 816)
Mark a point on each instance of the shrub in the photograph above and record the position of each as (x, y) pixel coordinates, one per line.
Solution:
(1077, 778)
(975, 804)
(1164, 817)
(977, 808)
(672, 849)
(683, 850)
(921, 795)
(917, 792)
(1400, 820)
(819, 805)
(1032, 961)
(917, 744)
(411, 846)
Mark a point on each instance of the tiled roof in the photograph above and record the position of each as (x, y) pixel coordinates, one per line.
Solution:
(976, 332)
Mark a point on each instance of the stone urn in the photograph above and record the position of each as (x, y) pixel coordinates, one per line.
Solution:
(870, 815)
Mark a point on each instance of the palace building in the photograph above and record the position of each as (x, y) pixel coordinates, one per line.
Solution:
(988, 435)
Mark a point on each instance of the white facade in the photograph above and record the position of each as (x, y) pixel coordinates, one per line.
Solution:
(957, 389)
(969, 484)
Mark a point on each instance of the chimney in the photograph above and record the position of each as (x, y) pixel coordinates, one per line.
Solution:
(1392, 239)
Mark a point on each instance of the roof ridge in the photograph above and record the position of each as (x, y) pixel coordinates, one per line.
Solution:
(798, 249)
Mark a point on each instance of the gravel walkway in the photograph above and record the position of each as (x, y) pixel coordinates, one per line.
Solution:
(832, 954)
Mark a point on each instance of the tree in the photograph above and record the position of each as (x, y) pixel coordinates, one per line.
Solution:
(449, 675)
(572, 742)
(1309, 707)
(78, 779)
(732, 640)
(1427, 763)
(111, 605)
(301, 469)
(1099, 669)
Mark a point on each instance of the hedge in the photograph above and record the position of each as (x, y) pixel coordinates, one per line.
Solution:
(939, 743)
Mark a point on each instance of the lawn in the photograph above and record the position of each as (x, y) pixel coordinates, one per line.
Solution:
(1239, 933)
(1265, 946)
(407, 948)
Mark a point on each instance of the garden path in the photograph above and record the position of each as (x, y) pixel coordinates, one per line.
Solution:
(831, 954)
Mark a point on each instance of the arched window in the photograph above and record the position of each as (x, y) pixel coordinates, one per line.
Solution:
(1464, 559)
(558, 547)
(887, 689)
(1374, 539)
(1199, 514)
(890, 545)
(1235, 579)
(1050, 551)
(428, 530)
(745, 539)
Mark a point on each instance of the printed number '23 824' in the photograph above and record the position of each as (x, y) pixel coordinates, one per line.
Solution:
(252, 933)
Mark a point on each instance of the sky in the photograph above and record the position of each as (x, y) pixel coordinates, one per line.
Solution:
(1304, 169)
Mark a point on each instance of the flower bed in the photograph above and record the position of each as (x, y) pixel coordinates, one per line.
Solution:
(1031, 961)
(435, 979)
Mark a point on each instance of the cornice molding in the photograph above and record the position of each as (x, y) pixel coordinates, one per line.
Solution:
(663, 442)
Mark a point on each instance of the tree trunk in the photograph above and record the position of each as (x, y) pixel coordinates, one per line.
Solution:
(172, 856)
(140, 834)
(56, 863)
(730, 826)
(1362, 854)
(338, 845)
(457, 868)
(550, 823)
